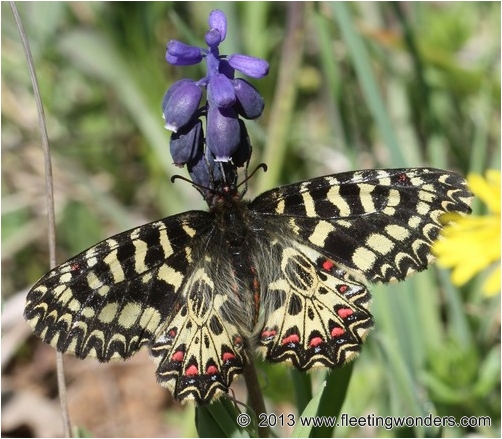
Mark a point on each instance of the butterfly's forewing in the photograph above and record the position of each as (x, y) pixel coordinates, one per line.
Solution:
(335, 232)
(143, 286)
(111, 299)
(379, 224)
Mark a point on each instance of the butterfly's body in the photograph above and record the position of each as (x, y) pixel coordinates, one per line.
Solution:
(282, 274)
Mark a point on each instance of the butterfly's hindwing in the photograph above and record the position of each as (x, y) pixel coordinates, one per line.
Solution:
(200, 350)
(315, 313)
(379, 224)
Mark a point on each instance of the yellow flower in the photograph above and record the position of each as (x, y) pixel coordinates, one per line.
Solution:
(472, 244)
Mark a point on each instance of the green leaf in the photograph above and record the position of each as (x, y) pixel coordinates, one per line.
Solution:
(333, 397)
(310, 411)
(218, 420)
(489, 373)
(303, 389)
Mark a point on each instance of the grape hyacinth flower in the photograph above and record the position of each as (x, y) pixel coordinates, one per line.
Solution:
(225, 139)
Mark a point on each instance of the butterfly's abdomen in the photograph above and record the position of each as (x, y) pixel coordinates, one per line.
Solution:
(233, 244)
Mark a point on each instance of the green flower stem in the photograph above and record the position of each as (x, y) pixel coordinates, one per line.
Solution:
(51, 217)
(255, 397)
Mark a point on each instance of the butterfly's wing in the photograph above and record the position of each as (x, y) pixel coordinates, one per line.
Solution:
(315, 313)
(144, 286)
(203, 346)
(377, 223)
(339, 230)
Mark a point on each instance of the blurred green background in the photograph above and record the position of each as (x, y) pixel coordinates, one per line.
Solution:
(351, 85)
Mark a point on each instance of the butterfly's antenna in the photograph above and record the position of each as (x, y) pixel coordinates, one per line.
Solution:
(202, 189)
(198, 186)
(248, 177)
(180, 177)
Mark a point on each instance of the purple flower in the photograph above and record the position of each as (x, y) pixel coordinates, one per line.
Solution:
(249, 103)
(218, 21)
(223, 132)
(249, 65)
(213, 38)
(180, 54)
(180, 104)
(243, 152)
(186, 144)
(221, 91)
(205, 172)
(227, 144)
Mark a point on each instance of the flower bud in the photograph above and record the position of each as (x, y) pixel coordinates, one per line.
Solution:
(180, 54)
(221, 91)
(171, 90)
(213, 38)
(223, 132)
(181, 104)
(249, 65)
(217, 20)
(186, 143)
(249, 103)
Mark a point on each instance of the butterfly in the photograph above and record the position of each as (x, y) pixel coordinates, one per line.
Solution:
(284, 275)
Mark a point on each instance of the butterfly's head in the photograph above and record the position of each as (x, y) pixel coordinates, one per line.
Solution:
(219, 182)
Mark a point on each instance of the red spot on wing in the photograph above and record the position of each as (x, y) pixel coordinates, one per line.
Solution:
(212, 370)
(268, 334)
(328, 265)
(403, 179)
(342, 289)
(293, 338)
(178, 356)
(237, 341)
(345, 312)
(316, 341)
(336, 331)
(192, 371)
(227, 356)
